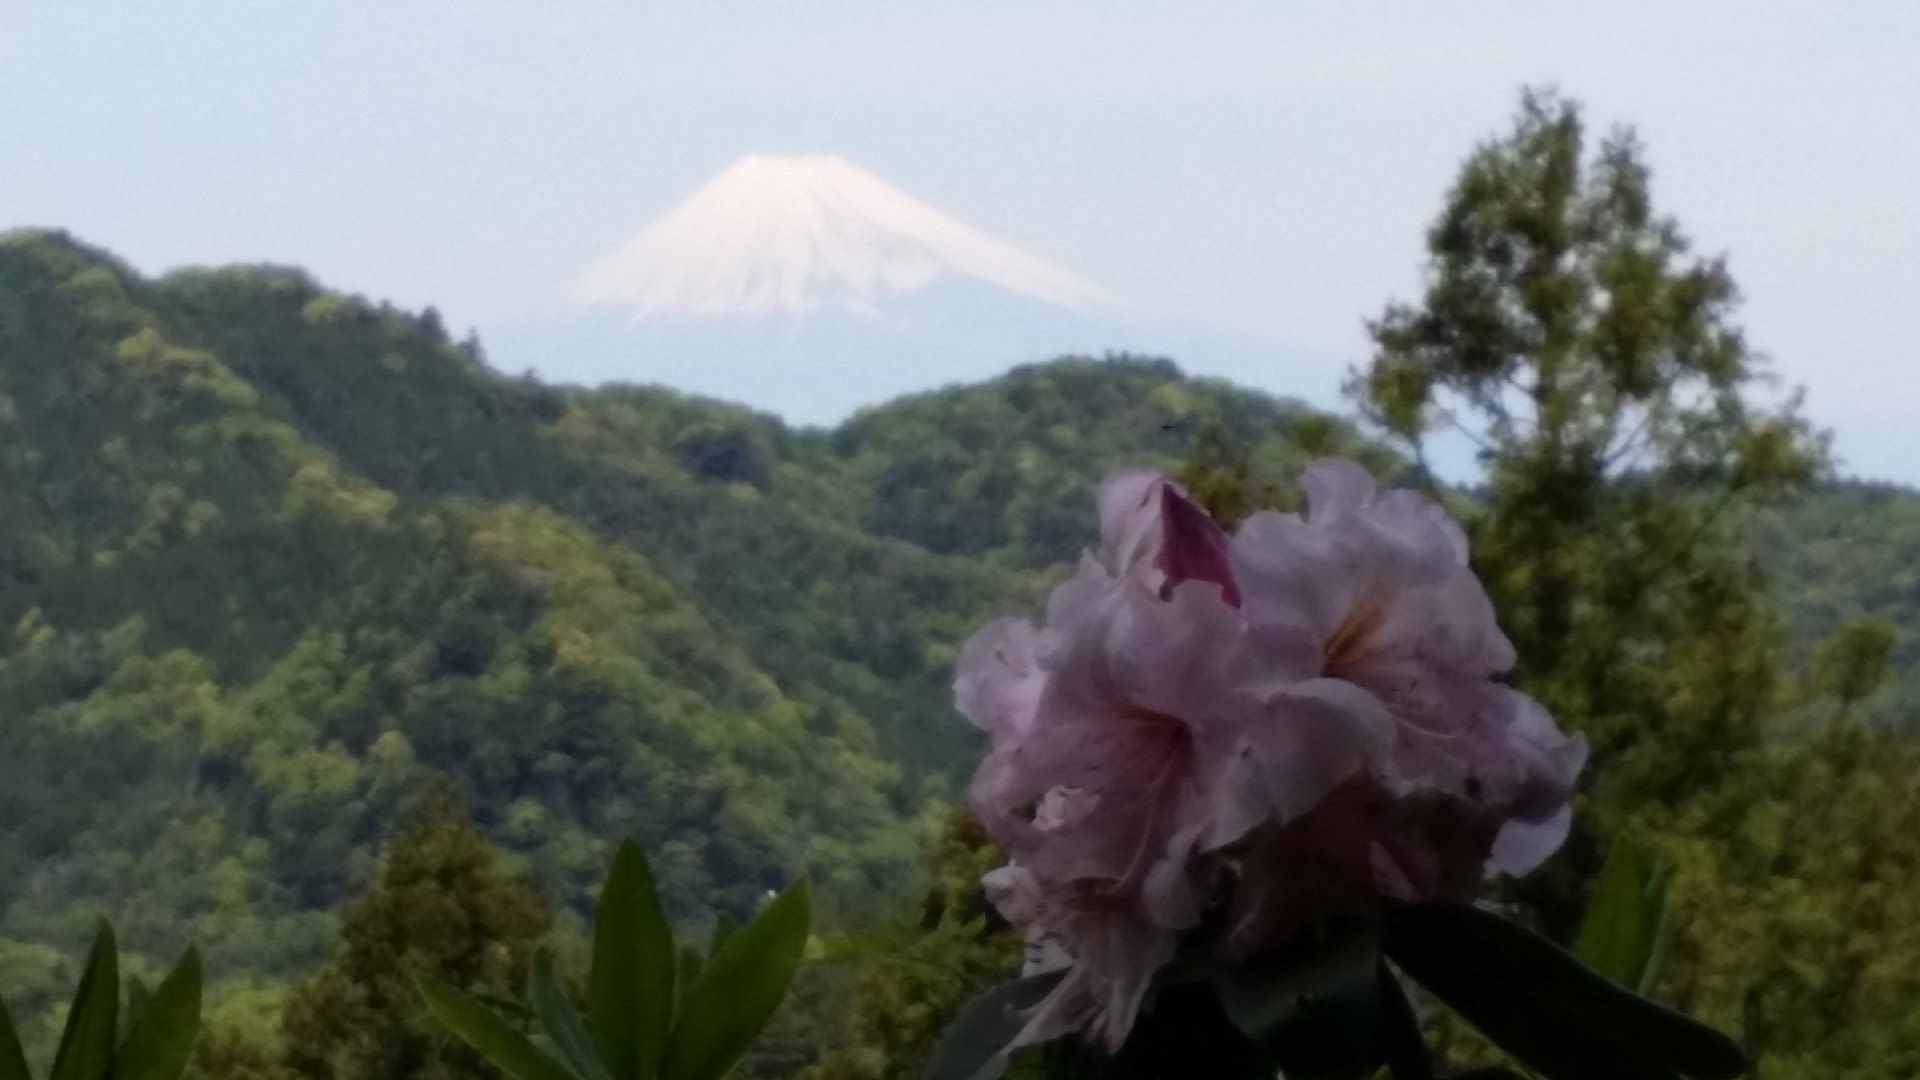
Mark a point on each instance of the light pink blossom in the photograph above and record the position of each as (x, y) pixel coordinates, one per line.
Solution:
(999, 678)
(1374, 591)
(1305, 713)
(1114, 953)
(1138, 717)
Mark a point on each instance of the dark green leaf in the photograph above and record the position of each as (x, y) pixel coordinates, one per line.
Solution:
(559, 1021)
(1182, 1030)
(723, 926)
(86, 1046)
(1402, 1043)
(630, 988)
(494, 1038)
(739, 988)
(974, 1044)
(1541, 1005)
(137, 998)
(691, 960)
(544, 1043)
(1486, 1072)
(13, 1060)
(1314, 1009)
(160, 1041)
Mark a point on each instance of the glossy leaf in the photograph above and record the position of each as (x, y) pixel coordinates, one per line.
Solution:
(630, 1006)
(495, 1039)
(974, 1044)
(1543, 1006)
(160, 1040)
(86, 1045)
(739, 988)
(560, 1022)
(13, 1059)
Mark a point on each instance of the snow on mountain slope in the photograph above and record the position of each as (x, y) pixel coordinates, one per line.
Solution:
(792, 235)
(809, 288)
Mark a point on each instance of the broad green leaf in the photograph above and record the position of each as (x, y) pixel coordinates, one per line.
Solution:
(1486, 1072)
(160, 1041)
(494, 1038)
(13, 1060)
(691, 960)
(86, 1046)
(1657, 951)
(1543, 1006)
(630, 988)
(137, 998)
(542, 1042)
(739, 988)
(1624, 917)
(974, 1045)
(558, 1019)
(723, 926)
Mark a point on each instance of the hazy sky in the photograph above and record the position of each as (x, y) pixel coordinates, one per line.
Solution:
(1267, 166)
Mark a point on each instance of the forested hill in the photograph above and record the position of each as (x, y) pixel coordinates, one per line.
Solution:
(272, 553)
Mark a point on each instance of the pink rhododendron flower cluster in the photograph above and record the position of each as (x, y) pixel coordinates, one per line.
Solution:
(1262, 728)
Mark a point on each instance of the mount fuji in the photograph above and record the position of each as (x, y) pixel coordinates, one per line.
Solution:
(807, 287)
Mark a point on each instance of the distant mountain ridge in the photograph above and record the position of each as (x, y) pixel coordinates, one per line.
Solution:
(810, 288)
(793, 235)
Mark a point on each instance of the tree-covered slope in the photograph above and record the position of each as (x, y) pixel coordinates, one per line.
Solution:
(235, 635)
(270, 554)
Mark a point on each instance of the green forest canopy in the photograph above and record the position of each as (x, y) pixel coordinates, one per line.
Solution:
(274, 554)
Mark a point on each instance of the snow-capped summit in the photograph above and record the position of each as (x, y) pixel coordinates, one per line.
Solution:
(810, 288)
(793, 235)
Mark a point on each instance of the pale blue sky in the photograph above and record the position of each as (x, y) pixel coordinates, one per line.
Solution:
(1267, 166)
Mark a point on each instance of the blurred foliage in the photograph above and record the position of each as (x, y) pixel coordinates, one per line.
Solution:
(940, 953)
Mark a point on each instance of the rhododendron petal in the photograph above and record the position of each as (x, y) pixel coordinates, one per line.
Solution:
(1193, 547)
(1113, 951)
(1310, 740)
(1334, 486)
(1522, 846)
(1129, 517)
(998, 679)
(1314, 866)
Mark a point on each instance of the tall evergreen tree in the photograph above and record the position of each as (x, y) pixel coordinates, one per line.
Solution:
(1570, 331)
(441, 906)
